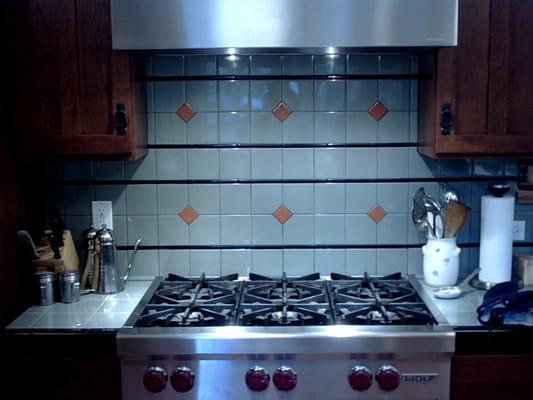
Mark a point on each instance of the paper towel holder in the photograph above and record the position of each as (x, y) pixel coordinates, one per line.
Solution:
(497, 190)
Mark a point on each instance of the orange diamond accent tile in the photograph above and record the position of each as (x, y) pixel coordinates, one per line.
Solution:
(282, 214)
(188, 214)
(186, 112)
(377, 213)
(282, 111)
(378, 110)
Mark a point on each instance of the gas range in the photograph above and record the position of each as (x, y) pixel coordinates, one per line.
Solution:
(308, 337)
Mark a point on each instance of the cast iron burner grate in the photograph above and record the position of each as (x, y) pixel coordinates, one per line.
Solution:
(192, 302)
(165, 316)
(277, 315)
(390, 300)
(286, 301)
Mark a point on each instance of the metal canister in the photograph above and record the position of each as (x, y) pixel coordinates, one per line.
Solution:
(69, 287)
(45, 282)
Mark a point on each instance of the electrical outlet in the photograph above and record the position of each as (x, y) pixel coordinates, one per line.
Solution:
(519, 230)
(102, 214)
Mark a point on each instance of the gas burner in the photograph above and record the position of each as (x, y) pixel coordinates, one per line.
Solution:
(165, 316)
(389, 291)
(284, 301)
(390, 300)
(364, 314)
(192, 302)
(272, 315)
(182, 293)
(292, 293)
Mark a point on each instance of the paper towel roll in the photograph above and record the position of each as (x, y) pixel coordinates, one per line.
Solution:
(496, 240)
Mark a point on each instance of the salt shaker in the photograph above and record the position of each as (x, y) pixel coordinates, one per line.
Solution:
(45, 282)
(69, 287)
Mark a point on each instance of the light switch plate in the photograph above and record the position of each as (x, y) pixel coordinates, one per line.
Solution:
(102, 214)
(519, 230)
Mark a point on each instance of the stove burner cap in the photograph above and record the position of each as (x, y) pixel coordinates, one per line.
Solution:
(194, 317)
(288, 318)
(378, 316)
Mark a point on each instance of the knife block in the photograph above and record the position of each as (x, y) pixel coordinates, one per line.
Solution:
(68, 260)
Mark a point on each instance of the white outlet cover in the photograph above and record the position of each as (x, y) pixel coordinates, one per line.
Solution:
(102, 214)
(519, 230)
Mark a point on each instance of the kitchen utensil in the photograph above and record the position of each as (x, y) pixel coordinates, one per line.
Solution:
(452, 292)
(28, 245)
(91, 262)
(446, 197)
(457, 214)
(45, 285)
(433, 208)
(430, 222)
(419, 212)
(57, 226)
(109, 279)
(69, 287)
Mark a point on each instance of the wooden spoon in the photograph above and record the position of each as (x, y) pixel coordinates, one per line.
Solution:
(457, 214)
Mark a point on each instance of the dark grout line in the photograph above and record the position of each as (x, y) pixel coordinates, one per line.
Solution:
(303, 247)
(284, 181)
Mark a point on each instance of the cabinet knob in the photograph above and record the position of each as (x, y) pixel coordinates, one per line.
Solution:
(121, 119)
(446, 119)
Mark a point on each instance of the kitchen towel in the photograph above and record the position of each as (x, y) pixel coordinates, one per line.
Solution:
(504, 307)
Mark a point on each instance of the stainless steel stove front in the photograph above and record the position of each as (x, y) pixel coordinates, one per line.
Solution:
(321, 359)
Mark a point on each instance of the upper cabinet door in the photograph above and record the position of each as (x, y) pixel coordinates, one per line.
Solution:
(511, 69)
(44, 67)
(79, 97)
(483, 85)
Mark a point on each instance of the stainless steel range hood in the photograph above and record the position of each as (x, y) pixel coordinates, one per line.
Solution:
(227, 26)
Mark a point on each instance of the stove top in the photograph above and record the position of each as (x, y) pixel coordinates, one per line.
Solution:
(285, 301)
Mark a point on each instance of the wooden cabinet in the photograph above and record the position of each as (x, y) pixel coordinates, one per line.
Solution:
(69, 87)
(487, 81)
(60, 366)
(491, 377)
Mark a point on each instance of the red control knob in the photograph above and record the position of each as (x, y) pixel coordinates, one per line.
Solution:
(182, 379)
(388, 378)
(285, 378)
(257, 379)
(155, 379)
(360, 378)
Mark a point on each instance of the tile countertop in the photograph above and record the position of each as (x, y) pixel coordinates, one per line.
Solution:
(93, 311)
(462, 311)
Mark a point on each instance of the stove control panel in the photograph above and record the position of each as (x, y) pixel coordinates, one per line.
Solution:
(285, 379)
(257, 379)
(388, 378)
(155, 379)
(360, 378)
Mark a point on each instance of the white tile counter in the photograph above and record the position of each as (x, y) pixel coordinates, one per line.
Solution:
(459, 312)
(93, 311)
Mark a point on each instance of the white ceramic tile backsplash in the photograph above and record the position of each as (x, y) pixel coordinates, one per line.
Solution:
(233, 214)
